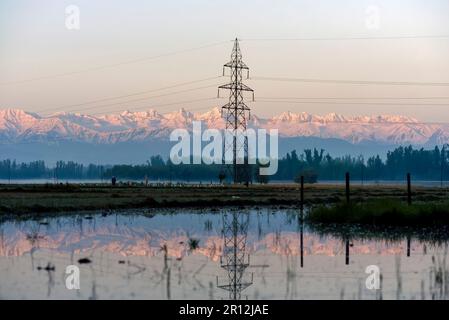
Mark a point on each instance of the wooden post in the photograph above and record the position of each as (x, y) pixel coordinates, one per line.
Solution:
(302, 192)
(347, 187)
(409, 189)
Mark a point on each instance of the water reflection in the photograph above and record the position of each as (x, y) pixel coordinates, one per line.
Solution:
(228, 254)
(301, 234)
(234, 258)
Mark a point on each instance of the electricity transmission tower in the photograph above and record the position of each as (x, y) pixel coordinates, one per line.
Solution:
(236, 113)
(234, 259)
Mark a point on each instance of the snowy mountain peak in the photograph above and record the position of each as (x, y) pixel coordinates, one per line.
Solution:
(126, 113)
(181, 115)
(214, 113)
(291, 117)
(333, 117)
(17, 114)
(17, 125)
(14, 121)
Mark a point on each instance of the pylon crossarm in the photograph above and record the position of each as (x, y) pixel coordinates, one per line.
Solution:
(239, 87)
(239, 65)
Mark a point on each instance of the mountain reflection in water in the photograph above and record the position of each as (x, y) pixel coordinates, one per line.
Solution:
(230, 254)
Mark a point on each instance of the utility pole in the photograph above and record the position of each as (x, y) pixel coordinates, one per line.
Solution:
(236, 113)
(234, 259)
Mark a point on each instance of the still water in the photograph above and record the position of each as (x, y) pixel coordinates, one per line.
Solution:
(224, 254)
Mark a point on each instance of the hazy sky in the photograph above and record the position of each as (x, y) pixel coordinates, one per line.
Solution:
(45, 67)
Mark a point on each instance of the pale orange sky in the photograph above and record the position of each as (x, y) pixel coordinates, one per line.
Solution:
(35, 43)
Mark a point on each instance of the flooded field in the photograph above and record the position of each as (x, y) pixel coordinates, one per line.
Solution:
(224, 254)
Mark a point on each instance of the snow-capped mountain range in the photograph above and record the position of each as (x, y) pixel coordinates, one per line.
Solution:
(17, 126)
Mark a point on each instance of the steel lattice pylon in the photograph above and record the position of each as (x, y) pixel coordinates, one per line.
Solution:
(236, 113)
(234, 259)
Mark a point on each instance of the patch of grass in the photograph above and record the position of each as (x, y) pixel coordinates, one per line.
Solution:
(432, 235)
(382, 212)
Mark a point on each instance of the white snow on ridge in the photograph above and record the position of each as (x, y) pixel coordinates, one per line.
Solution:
(17, 125)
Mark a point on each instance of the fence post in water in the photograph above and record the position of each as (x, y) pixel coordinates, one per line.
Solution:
(302, 239)
(347, 252)
(408, 245)
(409, 189)
(347, 187)
(302, 222)
(302, 192)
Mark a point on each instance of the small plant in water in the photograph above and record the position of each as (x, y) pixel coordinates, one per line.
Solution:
(193, 244)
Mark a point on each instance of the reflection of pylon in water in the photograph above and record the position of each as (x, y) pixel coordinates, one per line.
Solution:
(234, 259)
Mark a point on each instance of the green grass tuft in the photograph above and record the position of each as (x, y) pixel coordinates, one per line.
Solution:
(383, 212)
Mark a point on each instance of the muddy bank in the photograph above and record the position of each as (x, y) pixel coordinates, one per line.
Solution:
(26, 199)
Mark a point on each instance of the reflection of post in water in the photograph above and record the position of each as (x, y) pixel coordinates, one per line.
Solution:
(347, 252)
(2, 242)
(301, 222)
(301, 236)
(408, 245)
(233, 259)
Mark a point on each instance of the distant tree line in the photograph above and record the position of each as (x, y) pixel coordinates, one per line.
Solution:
(13, 170)
(10, 169)
(422, 164)
(313, 164)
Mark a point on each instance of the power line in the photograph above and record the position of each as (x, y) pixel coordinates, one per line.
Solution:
(353, 98)
(354, 103)
(348, 121)
(213, 45)
(132, 94)
(114, 65)
(167, 104)
(403, 37)
(357, 82)
(140, 99)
